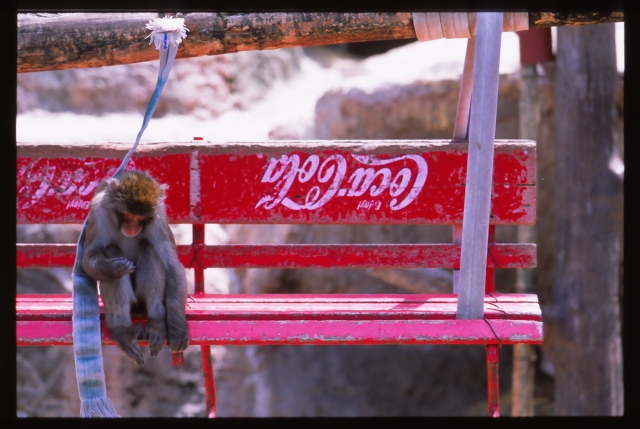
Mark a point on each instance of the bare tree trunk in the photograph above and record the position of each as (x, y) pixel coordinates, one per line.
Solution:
(52, 41)
(583, 329)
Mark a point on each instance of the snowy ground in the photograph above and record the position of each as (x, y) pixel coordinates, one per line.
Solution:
(288, 103)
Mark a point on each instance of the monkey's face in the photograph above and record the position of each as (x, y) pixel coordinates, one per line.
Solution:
(131, 225)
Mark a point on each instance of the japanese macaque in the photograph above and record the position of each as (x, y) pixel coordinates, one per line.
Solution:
(131, 251)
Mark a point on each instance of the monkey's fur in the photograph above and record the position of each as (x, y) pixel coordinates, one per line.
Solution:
(131, 251)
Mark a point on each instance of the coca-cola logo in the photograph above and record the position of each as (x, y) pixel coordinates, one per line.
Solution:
(373, 179)
(74, 182)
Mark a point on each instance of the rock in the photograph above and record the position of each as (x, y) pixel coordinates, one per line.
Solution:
(419, 110)
(203, 86)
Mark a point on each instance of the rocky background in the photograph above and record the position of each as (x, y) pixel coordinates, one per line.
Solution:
(317, 93)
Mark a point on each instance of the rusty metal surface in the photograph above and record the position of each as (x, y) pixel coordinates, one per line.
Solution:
(209, 381)
(192, 258)
(177, 358)
(535, 46)
(349, 182)
(492, 262)
(492, 381)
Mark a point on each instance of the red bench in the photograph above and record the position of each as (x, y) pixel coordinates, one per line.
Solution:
(345, 182)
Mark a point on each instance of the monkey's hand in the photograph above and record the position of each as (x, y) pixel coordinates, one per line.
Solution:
(119, 267)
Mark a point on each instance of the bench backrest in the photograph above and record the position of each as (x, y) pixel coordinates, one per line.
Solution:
(346, 182)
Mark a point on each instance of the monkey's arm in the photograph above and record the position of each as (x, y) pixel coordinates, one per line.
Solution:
(94, 261)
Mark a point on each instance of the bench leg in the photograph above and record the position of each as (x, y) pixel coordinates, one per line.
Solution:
(177, 358)
(492, 380)
(205, 351)
(209, 382)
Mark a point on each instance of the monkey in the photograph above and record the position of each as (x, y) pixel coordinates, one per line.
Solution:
(131, 251)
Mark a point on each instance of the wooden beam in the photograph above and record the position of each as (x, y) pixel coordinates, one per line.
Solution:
(416, 181)
(83, 40)
(302, 256)
(266, 319)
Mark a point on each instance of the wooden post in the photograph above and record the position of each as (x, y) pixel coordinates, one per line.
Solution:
(582, 331)
(477, 200)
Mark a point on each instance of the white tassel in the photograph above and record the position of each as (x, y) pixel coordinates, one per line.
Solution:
(98, 407)
(167, 31)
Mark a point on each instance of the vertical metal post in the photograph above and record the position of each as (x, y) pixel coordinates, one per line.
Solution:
(209, 380)
(198, 272)
(492, 380)
(482, 131)
(490, 278)
(457, 239)
(205, 350)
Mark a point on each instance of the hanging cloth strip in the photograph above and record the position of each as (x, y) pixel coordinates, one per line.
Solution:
(167, 33)
(460, 25)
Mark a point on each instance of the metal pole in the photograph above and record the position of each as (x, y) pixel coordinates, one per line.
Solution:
(482, 132)
(492, 380)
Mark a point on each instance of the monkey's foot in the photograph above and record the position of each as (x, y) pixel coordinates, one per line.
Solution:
(178, 339)
(156, 332)
(126, 337)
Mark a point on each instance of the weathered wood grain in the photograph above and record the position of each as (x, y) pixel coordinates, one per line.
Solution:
(308, 307)
(585, 343)
(92, 40)
(561, 19)
(316, 332)
(81, 40)
(346, 182)
(303, 256)
(311, 319)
